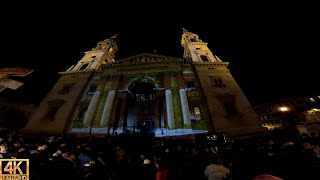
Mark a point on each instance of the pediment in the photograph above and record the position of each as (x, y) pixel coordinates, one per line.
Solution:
(147, 58)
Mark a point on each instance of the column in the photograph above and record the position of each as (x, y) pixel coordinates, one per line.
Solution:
(169, 107)
(107, 108)
(185, 108)
(91, 108)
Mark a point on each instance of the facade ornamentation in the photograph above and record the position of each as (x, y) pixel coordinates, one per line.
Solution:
(149, 94)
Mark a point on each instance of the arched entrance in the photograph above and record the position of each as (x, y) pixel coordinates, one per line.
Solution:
(141, 107)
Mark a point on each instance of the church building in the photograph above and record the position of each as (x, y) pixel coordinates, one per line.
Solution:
(147, 94)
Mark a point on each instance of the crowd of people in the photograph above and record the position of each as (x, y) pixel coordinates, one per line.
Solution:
(276, 156)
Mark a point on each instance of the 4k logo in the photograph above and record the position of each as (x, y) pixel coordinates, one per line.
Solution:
(14, 169)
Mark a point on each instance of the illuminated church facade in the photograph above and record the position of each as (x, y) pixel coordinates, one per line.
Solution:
(146, 94)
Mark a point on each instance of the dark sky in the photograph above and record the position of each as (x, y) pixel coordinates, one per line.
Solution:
(272, 48)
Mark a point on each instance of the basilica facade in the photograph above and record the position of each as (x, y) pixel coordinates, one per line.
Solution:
(147, 94)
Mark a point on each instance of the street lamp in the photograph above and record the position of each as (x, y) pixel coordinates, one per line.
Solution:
(283, 109)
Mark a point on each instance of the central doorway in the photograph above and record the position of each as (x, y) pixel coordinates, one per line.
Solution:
(141, 107)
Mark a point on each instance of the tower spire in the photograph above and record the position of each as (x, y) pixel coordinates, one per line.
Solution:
(114, 36)
(184, 30)
(103, 53)
(195, 50)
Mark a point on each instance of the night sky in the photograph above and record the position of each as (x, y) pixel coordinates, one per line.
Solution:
(272, 48)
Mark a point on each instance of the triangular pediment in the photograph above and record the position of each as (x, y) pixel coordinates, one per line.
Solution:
(147, 58)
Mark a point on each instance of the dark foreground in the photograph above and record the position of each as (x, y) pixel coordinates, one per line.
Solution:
(279, 154)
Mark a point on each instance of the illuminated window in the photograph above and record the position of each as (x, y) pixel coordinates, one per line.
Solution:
(110, 50)
(197, 113)
(319, 97)
(283, 109)
(312, 100)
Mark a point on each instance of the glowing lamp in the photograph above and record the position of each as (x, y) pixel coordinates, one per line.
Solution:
(283, 109)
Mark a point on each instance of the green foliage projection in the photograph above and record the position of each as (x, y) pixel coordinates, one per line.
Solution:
(79, 124)
(176, 104)
(199, 125)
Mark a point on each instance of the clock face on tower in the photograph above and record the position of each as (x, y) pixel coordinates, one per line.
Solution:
(110, 50)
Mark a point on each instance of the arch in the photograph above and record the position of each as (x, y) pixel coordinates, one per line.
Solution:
(193, 40)
(141, 106)
(146, 79)
(204, 58)
(142, 89)
(84, 66)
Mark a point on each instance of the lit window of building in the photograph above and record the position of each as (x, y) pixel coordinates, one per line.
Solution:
(312, 100)
(283, 109)
(197, 113)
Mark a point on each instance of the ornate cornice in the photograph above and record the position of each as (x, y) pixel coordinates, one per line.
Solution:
(197, 43)
(64, 73)
(141, 73)
(145, 58)
(93, 51)
(210, 63)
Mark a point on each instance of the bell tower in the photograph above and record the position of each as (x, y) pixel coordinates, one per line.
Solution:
(55, 112)
(225, 105)
(195, 50)
(103, 53)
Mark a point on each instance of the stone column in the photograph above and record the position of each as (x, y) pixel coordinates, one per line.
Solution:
(107, 108)
(169, 107)
(185, 108)
(92, 106)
